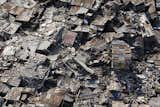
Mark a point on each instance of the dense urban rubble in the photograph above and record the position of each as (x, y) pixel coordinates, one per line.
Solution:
(79, 53)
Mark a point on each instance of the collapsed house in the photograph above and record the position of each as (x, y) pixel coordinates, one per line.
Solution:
(79, 53)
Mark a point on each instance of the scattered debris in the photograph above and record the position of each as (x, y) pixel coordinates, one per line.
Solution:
(69, 38)
(79, 53)
(53, 98)
(121, 55)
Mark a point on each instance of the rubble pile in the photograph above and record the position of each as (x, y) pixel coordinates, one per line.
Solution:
(79, 53)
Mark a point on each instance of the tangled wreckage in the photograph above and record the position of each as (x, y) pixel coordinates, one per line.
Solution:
(79, 53)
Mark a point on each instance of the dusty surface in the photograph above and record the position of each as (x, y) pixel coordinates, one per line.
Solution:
(79, 53)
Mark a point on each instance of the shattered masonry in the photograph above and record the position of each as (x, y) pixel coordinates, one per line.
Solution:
(79, 53)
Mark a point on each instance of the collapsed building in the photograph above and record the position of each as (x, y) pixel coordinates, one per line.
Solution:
(79, 53)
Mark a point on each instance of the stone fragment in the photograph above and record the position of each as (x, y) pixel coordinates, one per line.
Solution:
(119, 104)
(3, 24)
(53, 98)
(9, 50)
(12, 28)
(14, 81)
(14, 94)
(25, 16)
(154, 102)
(84, 66)
(4, 89)
(43, 47)
(2, 2)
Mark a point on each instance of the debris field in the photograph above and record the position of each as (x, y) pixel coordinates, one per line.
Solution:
(79, 53)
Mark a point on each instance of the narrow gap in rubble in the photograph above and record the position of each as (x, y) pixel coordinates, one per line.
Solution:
(116, 22)
(139, 8)
(81, 40)
(28, 25)
(21, 61)
(127, 7)
(155, 22)
(46, 52)
(66, 104)
(159, 79)
(116, 95)
(129, 80)
(99, 12)
(91, 18)
(128, 39)
(9, 102)
(73, 27)
(149, 45)
(23, 83)
(146, 9)
(48, 3)
(81, 16)
(55, 76)
(59, 4)
(108, 27)
(54, 49)
(42, 89)
(2, 94)
(138, 44)
(99, 64)
(30, 82)
(2, 101)
(33, 24)
(45, 63)
(4, 36)
(50, 83)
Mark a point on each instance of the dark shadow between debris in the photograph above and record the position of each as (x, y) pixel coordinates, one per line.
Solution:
(132, 84)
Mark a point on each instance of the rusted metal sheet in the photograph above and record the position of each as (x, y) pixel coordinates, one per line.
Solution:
(69, 38)
(121, 54)
(69, 52)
